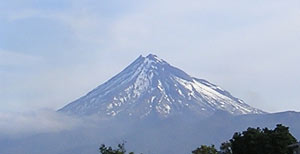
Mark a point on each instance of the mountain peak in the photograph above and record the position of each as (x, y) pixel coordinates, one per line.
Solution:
(153, 57)
(150, 86)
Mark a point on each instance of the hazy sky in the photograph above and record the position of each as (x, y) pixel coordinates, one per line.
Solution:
(54, 51)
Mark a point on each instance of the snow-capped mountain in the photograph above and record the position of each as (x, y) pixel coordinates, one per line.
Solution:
(151, 86)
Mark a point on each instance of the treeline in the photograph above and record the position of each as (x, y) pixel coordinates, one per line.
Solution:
(250, 141)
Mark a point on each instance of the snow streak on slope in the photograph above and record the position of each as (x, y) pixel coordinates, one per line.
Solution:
(151, 86)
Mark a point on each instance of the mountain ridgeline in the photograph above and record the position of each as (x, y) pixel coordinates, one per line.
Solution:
(152, 87)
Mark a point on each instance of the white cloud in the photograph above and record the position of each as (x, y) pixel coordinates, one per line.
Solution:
(15, 124)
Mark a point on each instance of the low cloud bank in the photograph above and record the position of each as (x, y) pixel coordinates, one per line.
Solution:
(44, 121)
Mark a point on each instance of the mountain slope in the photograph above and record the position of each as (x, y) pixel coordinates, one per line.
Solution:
(152, 87)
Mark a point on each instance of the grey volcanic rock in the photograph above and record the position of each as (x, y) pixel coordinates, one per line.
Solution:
(151, 86)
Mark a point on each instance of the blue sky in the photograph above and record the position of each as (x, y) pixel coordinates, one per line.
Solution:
(54, 51)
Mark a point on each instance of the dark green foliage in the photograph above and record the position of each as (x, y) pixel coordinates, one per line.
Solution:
(109, 150)
(225, 148)
(257, 141)
(205, 150)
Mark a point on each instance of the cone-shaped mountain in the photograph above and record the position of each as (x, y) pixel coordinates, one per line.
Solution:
(151, 86)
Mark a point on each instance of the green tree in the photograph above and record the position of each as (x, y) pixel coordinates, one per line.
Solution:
(280, 138)
(203, 149)
(109, 150)
(225, 148)
(257, 141)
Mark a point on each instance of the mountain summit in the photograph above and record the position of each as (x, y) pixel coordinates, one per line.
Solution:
(151, 86)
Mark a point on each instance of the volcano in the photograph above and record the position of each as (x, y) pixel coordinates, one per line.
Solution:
(150, 86)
